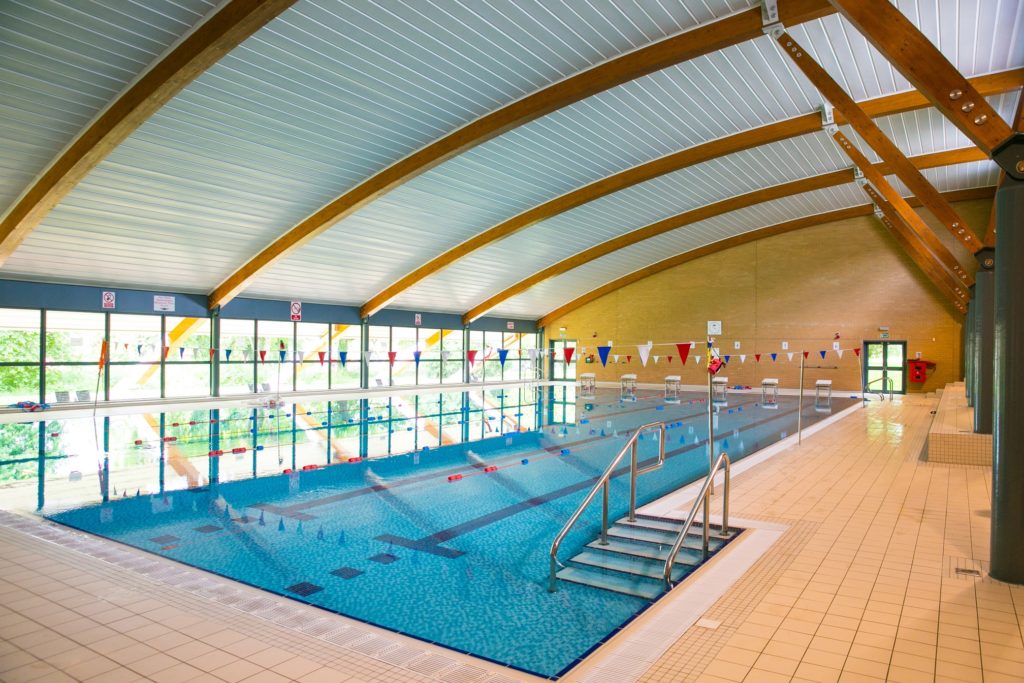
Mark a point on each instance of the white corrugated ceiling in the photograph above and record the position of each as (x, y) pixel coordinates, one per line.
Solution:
(331, 92)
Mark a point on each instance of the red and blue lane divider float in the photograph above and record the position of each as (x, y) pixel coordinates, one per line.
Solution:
(494, 468)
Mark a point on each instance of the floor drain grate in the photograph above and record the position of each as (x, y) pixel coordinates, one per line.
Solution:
(961, 571)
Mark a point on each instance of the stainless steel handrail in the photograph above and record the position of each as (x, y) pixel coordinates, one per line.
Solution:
(888, 382)
(702, 497)
(603, 482)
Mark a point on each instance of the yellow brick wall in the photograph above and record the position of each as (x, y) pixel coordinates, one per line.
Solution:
(848, 276)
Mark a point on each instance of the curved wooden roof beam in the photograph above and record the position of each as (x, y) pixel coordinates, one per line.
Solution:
(833, 179)
(211, 40)
(753, 235)
(916, 249)
(873, 135)
(701, 40)
(922, 64)
(773, 132)
(903, 212)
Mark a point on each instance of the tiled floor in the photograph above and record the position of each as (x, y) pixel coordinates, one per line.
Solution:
(861, 587)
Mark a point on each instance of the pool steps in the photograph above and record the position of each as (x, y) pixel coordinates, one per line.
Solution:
(634, 558)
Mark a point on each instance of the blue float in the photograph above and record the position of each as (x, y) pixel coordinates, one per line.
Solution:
(525, 461)
(565, 451)
(280, 524)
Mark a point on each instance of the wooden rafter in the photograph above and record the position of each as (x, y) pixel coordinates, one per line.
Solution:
(755, 137)
(702, 40)
(1018, 125)
(922, 64)
(214, 38)
(917, 251)
(833, 179)
(874, 136)
(754, 235)
(915, 223)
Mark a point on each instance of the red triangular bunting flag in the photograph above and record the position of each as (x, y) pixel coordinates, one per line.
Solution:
(806, 353)
(167, 350)
(669, 358)
(321, 354)
(392, 355)
(263, 356)
(684, 352)
(212, 351)
(568, 351)
(857, 350)
(757, 357)
(629, 359)
(471, 355)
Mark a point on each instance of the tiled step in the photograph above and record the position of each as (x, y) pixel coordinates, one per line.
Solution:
(630, 584)
(629, 564)
(664, 524)
(645, 535)
(687, 555)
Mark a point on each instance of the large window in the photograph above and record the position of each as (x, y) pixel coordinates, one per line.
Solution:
(19, 355)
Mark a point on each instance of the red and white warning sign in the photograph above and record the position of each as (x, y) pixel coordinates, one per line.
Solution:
(296, 311)
(109, 299)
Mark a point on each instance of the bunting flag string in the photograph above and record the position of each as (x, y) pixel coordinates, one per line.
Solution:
(502, 355)
(471, 355)
(343, 357)
(567, 352)
(684, 351)
(392, 355)
(602, 352)
(645, 351)
(322, 354)
(416, 355)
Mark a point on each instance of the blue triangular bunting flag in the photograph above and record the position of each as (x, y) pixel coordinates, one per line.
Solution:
(502, 355)
(774, 356)
(416, 356)
(823, 354)
(603, 352)
(343, 357)
(227, 354)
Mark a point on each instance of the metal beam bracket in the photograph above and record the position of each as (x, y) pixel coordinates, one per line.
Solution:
(770, 23)
(857, 173)
(827, 119)
(878, 212)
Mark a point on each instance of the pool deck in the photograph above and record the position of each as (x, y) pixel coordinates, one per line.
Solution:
(860, 584)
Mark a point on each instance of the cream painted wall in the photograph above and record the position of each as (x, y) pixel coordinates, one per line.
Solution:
(848, 277)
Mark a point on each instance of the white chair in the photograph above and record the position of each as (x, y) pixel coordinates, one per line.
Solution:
(823, 395)
(672, 383)
(588, 385)
(770, 392)
(627, 387)
(719, 388)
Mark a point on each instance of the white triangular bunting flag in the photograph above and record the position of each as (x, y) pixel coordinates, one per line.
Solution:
(246, 355)
(696, 359)
(743, 358)
(839, 352)
(533, 355)
(644, 350)
(368, 355)
(656, 360)
(615, 357)
(446, 354)
(790, 354)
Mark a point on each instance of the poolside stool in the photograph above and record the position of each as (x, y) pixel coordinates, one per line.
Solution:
(672, 388)
(627, 387)
(823, 395)
(719, 385)
(588, 385)
(770, 393)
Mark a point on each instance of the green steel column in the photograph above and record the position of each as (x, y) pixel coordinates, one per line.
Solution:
(215, 356)
(1008, 434)
(41, 476)
(364, 382)
(465, 380)
(984, 342)
(969, 348)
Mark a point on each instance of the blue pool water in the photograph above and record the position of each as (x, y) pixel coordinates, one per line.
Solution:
(462, 564)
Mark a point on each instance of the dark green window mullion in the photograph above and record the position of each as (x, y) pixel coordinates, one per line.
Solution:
(295, 358)
(42, 356)
(215, 356)
(106, 367)
(364, 382)
(164, 351)
(163, 452)
(329, 404)
(255, 355)
(330, 373)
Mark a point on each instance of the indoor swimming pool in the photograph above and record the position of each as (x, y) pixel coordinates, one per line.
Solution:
(446, 544)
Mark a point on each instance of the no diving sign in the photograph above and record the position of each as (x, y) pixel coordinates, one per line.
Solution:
(296, 311)
(109, 299)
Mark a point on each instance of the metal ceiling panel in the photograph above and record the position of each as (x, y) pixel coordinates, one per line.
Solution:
(61, 63)
(322, 97)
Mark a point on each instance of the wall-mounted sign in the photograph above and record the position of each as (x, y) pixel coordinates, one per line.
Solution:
(785, 346)
(714, 327)
(736, 345)
(163, 303)
(108, 299)
(509, 325)
(835, 346)
(296, 310)
(417, 319)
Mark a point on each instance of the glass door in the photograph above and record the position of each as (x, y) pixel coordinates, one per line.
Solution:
(884, 361)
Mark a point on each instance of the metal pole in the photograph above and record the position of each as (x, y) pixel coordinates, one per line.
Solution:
(800, 405)
(711, 430)
(707, 521)
(632, 479)
(604, 515)
(984, 340)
